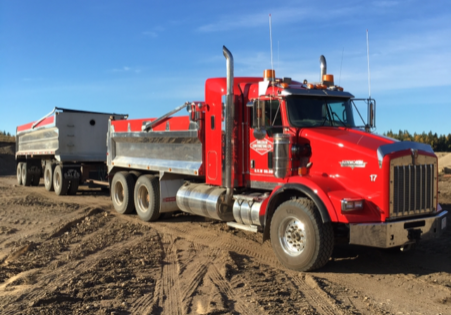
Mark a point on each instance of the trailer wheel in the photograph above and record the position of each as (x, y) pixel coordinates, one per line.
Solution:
(48, 176)
(73, 187)
(19, 173)
(26, 175)
(35, 179)
(147, 198)
(75, 182)
(300, 240)
(122, 188)
(60, 184)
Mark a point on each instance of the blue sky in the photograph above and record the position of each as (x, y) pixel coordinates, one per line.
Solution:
(145, 58)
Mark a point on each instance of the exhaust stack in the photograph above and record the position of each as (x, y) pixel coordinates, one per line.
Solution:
(229, 116)
(323, 66)
(326, 79)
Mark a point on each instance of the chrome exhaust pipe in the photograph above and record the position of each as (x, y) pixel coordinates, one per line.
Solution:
(229, 114)
(323, 66)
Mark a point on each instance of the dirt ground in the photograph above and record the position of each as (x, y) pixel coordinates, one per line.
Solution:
(75, 255)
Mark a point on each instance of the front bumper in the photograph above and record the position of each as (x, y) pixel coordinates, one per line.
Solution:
(399, 233)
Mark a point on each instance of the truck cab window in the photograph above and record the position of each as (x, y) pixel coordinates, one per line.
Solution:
(272, 116)
(319, 111)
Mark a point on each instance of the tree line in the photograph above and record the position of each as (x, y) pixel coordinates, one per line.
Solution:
(438, 143)
(7, 137)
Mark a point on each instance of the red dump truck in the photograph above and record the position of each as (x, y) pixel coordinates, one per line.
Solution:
(281, 157)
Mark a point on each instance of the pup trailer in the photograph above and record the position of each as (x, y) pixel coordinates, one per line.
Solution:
(283, 158)
(65, 147)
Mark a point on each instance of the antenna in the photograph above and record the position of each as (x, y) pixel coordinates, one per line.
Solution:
(368, 58)
(339, 78)
(270, 39)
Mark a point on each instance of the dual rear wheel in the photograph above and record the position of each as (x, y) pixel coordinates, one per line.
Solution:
(142, 194)
(28, 173)
(55, 179)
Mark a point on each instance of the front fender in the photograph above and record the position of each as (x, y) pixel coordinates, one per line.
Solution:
(307, 187)
(313, 187)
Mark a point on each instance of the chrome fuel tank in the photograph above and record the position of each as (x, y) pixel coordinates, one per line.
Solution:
(204, 200)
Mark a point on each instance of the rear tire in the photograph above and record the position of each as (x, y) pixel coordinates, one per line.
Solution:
(26, 176)
(35, 179)
(299, 238)
(122, 188)
(74, 182)
(73, 187)
(147, 198)
(48, 176)
(19, 173)
(60, 184)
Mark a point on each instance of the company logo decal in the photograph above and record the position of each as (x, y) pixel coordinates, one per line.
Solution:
(262, 146)
(352, 164)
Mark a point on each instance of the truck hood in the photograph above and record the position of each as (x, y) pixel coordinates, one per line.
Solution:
(356, 140)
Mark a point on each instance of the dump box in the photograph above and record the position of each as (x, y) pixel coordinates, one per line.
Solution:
(65, 143)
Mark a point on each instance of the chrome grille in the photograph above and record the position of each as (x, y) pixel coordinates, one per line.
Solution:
(412, 187)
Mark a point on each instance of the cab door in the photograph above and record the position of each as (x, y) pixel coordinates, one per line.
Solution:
(261, 147)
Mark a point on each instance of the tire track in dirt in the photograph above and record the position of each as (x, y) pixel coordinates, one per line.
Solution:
(225, 241)
(314, 295)
(167, 295)
(205, 239)
(224, 287)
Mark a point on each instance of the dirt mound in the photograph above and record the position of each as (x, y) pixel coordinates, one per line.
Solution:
(7, 159)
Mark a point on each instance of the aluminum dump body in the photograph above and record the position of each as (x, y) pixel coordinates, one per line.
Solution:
(68, 135)
(173, 146)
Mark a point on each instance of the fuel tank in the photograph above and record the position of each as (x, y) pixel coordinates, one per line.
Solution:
(204, 200)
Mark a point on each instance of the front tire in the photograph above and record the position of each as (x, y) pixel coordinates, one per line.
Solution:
(299, 238)
(147, 198)
(122, 188)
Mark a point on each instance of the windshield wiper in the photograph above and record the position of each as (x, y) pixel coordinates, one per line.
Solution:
(328, 117)
(336, 115)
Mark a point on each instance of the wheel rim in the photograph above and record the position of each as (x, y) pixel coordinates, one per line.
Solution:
(292, 236)
(119, 193)
(143, 199)
(47, 177)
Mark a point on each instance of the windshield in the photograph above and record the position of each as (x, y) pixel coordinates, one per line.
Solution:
(319, 111)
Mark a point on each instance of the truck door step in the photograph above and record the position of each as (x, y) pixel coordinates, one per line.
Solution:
(250, 228)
